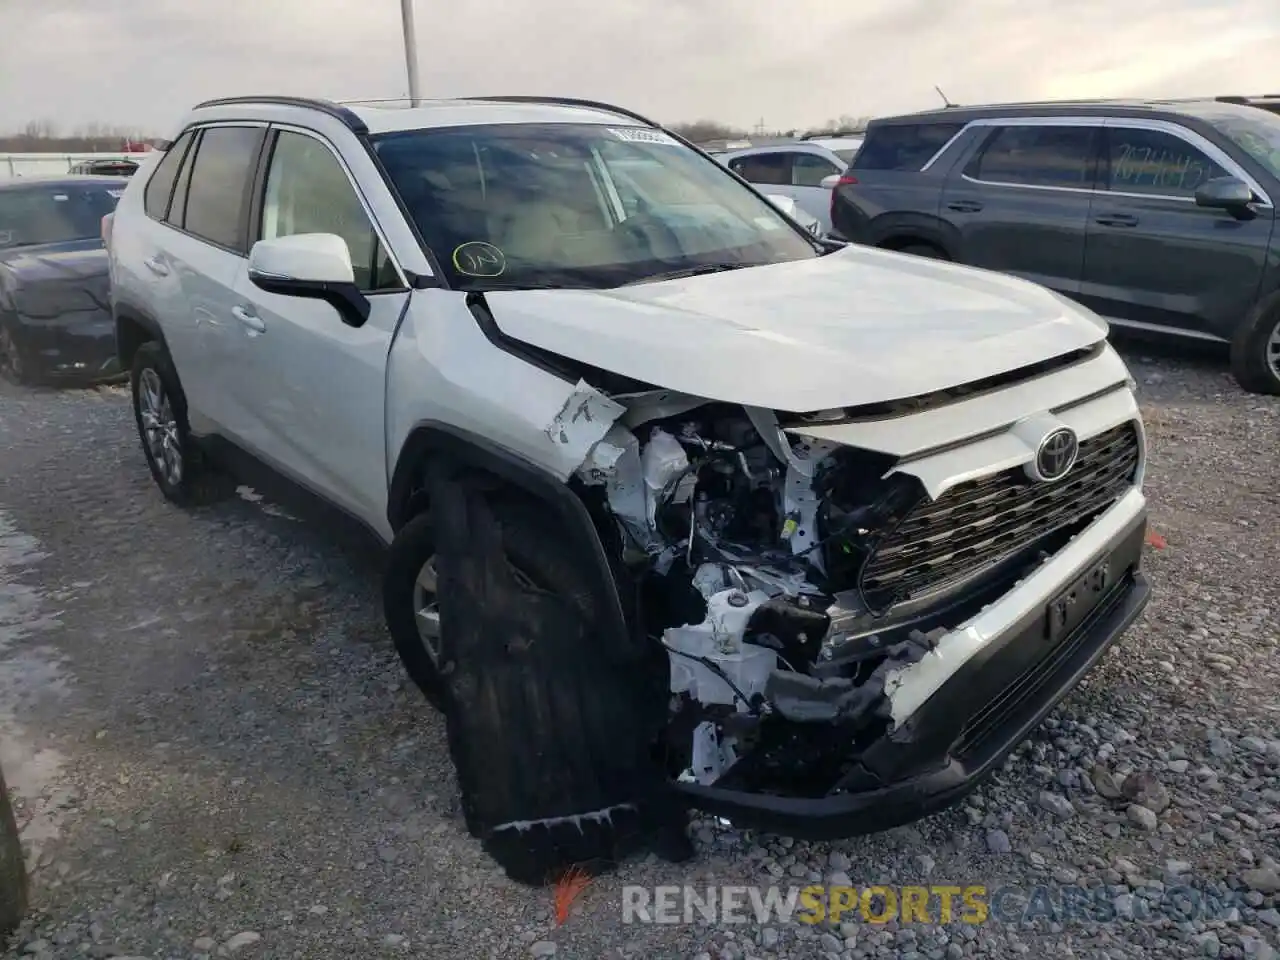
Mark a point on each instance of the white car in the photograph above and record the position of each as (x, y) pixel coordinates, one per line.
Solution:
(806, 171)
(682, 505)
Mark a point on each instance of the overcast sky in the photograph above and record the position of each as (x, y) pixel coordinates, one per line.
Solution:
(141, 63)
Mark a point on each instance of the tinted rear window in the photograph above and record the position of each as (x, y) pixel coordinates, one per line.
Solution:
(219, 191)
(901, 146)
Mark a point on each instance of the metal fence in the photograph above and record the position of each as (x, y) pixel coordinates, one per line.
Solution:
(53, 164)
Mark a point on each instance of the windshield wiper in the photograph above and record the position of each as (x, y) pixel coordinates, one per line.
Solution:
(689, 272)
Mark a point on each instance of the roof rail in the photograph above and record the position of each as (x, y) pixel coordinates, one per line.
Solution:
(572, 102)
(335, 110)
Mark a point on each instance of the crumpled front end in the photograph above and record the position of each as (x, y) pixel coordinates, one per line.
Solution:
(865, 609)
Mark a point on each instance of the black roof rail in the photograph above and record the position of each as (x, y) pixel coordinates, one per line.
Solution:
(571, 102)
(335, 110)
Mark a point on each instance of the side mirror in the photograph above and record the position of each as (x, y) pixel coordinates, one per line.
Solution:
(830, 182)
(1225, 193)
(313, 265)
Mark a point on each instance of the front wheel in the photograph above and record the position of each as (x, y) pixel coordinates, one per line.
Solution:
(12, 366)
(1255, 352)
(160, 412)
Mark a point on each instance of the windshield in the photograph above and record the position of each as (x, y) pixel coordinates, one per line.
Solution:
(54, 213)
(1258, 136)
(577, 205)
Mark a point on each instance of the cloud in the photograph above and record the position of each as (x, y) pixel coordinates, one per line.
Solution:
(142, 63)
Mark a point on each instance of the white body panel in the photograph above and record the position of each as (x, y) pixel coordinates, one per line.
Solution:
(854, 327)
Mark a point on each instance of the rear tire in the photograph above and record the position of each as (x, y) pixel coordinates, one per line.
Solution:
(551, 719)
(177, 465)
(1255, 352)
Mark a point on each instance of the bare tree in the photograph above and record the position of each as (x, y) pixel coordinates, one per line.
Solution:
(41, 136)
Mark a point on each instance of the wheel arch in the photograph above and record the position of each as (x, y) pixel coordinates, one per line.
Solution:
(428, 441)
(895, 231)
(134, 327)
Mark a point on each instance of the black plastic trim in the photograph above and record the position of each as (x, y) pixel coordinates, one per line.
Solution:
(352, 305)
(429, 439)
(328, 107)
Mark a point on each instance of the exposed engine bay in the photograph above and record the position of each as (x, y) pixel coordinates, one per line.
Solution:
(754, 543)
(795, 583)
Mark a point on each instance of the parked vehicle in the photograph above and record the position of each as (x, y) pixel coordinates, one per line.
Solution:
(55, 314)
(682, 505)
(1158, 215)
(114, 167)
(795, 170)
(1269, 102)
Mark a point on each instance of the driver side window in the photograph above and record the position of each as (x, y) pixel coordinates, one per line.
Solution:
(308, 191)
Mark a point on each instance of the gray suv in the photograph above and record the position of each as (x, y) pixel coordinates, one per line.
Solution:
(1158, 215)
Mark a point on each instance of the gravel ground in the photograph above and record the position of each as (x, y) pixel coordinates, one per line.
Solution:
(214, 750)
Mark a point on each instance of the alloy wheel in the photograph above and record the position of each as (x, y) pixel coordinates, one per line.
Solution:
(160, 427)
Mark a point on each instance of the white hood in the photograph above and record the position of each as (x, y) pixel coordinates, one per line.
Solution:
(856, 326)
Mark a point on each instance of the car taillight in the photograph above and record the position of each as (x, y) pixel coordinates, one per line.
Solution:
(106, 229)
(845, 180)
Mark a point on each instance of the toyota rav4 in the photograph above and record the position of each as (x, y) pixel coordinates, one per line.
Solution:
(683, 505)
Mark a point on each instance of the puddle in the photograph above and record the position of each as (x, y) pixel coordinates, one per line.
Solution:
(30, 673)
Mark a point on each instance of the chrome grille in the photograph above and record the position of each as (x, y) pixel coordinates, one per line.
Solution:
(981, 522)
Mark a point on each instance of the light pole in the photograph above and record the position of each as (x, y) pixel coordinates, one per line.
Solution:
(410, 50)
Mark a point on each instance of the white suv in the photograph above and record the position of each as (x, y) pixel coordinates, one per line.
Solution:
(683, 505)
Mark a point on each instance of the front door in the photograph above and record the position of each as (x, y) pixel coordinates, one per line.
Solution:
(1020, 204)
(1155, 260)
(314, 386)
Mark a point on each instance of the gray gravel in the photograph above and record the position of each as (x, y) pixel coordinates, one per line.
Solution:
(215, 753)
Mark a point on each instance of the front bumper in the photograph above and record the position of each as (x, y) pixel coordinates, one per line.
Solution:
(989, 684)
(73, 348)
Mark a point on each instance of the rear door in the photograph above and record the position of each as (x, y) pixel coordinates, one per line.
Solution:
(1020, 204)
(206, 243)
(808, 169)
(1155, 260)
(886, 186)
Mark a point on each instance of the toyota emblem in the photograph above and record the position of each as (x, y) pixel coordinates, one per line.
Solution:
(1057, 454)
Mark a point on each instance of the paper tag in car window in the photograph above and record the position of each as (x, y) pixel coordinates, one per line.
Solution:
(61, 197)
(642, 135)
(115, 194)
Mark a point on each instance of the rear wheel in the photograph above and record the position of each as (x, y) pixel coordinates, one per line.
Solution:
(160, 412)
(1255, 352)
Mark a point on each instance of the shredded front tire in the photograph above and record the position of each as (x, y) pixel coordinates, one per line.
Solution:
(550, 719)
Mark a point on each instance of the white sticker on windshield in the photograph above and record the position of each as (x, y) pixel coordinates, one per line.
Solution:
(767, 223)
(116, 194)
(643, 135)
(60, 196)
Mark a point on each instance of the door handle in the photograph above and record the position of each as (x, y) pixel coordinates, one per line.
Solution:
(1116, 220)
(964, 206)
(250, 320)
(156, 266)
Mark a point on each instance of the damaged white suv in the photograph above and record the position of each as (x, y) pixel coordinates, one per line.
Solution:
(684, 506)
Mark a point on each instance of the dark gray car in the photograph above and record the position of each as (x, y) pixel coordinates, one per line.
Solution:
(1160, 215)
(55, 314)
